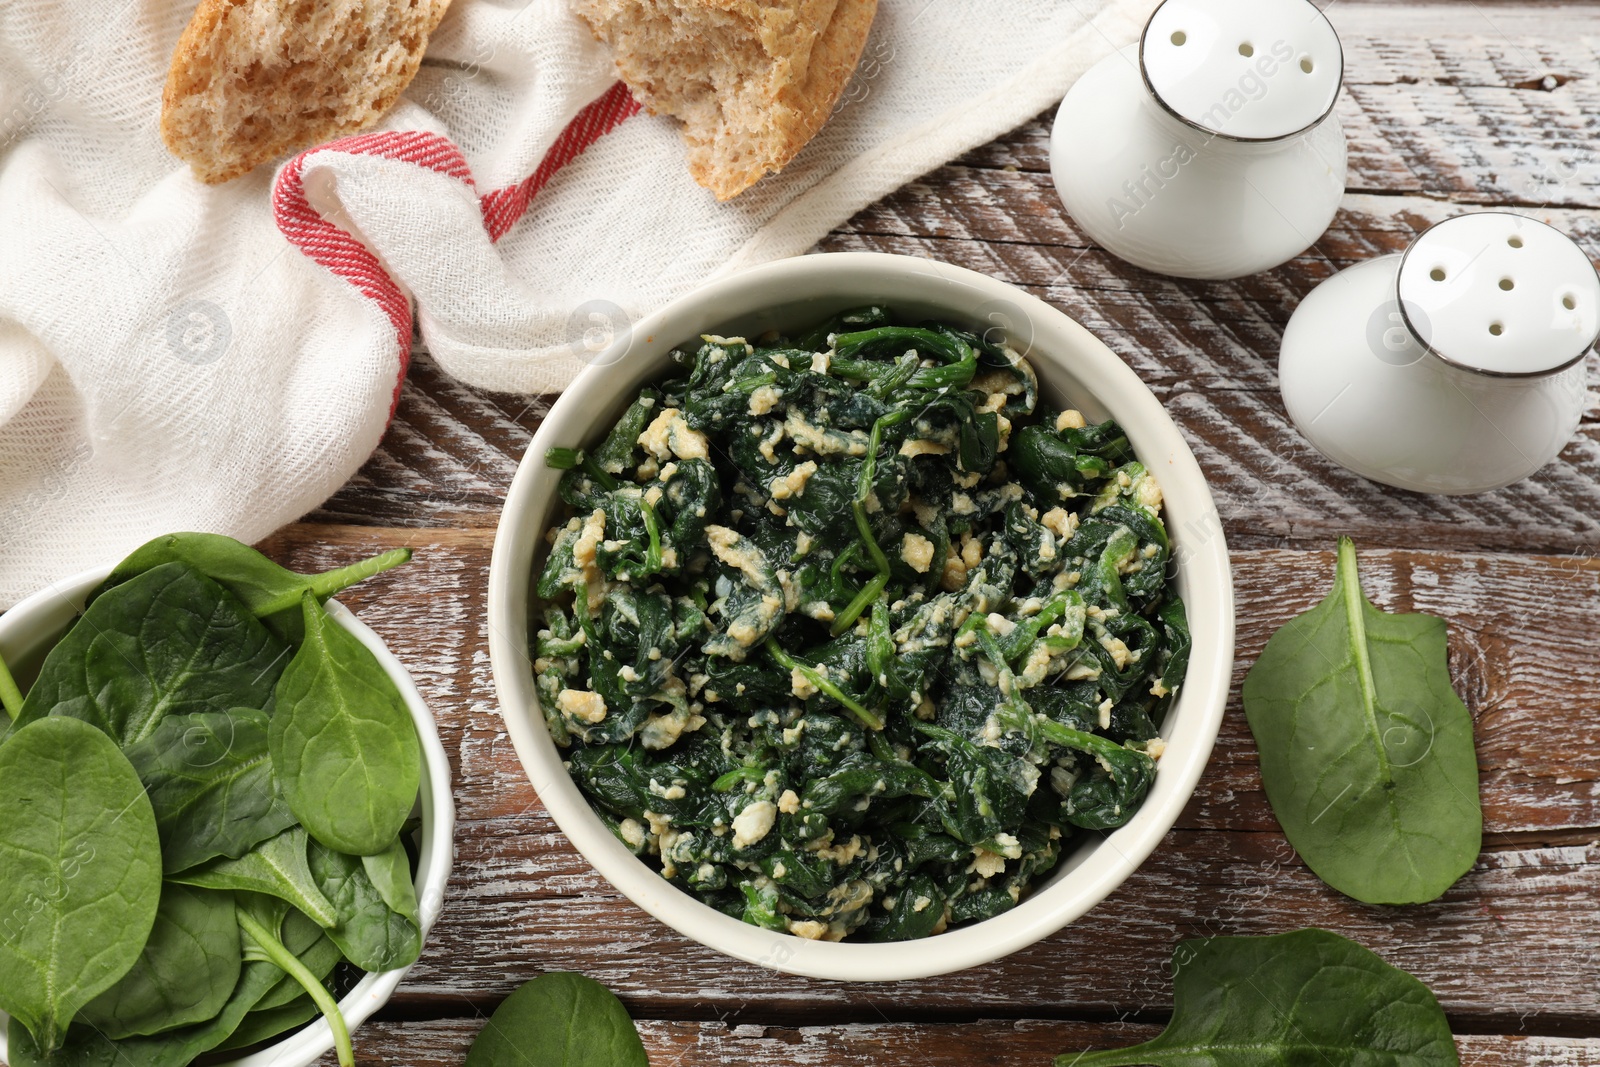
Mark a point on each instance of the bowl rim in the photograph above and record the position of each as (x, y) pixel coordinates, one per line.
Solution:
(1203, 570)
(436, 854)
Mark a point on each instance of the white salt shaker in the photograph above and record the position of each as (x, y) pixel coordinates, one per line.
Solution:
(1456, 367)
(1209, 149)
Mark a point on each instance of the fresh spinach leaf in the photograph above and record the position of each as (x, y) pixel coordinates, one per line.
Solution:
(559, 1019)
(343, 744)
(276, 867)
(82, 866)
(369, 933)
(209, 776)
(168, 642)
(184, 975)
(265, 941)
(1366, 752)
(271, 593)
(263, 1024)
(390, 874)
(87, 1047)
(298, 935)
(1306, 997)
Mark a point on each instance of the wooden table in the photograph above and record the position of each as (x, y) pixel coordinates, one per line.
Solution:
(1448, 106)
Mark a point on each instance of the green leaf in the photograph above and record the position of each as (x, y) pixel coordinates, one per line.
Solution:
(169, 642)
(271, 593)
(185, 973)
(343, 744)
(559, 1019)
(276, 867)
(1366, 752)
(319, 954)
(390, 874)
(1303, 998)
(265, 940)
(87, 1047)
(369, 933)
(263, 1024)
(209, 776)
(82, 867)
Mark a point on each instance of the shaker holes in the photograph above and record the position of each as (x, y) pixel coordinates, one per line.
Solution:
(1437, 274)
(1306, 65)
(1180, 38)
(1247, 49)
(1507, 284)
(1514, 241)
(1569, 302)
(1496, 328)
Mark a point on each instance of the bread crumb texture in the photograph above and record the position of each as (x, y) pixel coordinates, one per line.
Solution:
(252, 80)
(751, 82)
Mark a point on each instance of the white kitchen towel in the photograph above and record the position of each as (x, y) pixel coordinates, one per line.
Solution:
(179, 356)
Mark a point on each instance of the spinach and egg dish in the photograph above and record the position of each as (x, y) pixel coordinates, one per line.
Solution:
(851, 637)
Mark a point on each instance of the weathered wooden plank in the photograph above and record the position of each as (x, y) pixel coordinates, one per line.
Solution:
(1511, 940)
(1503, 942)
(1020, 1043)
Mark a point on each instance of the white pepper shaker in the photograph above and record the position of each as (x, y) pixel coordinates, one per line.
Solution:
(1456, 367)
(1210, 148)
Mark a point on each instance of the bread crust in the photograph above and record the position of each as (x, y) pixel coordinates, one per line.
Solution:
(250, 80)
(747, 119)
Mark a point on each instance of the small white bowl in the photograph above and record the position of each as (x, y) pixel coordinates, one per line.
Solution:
(1073, 367)
(37, 623)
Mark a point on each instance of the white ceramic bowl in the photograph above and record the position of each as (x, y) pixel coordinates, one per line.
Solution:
(1073, 367)
(34, 625)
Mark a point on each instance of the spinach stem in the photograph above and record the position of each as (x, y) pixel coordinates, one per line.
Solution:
(880, 562)
(811, 674)
(847, 618)
(652, 527)
(328, 583)
(290, 965)
(739, 774)
(592, 468)
(562, 459)
(10, 695)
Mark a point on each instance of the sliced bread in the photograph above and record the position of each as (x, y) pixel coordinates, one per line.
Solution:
(751, 82)
(253, 79)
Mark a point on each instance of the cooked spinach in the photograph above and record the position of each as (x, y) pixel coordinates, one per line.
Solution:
(559, 1019)
(82, 872)
(850, 638)
(181, 726)
(1366, 751)
(1309, 996)
(343, 746)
